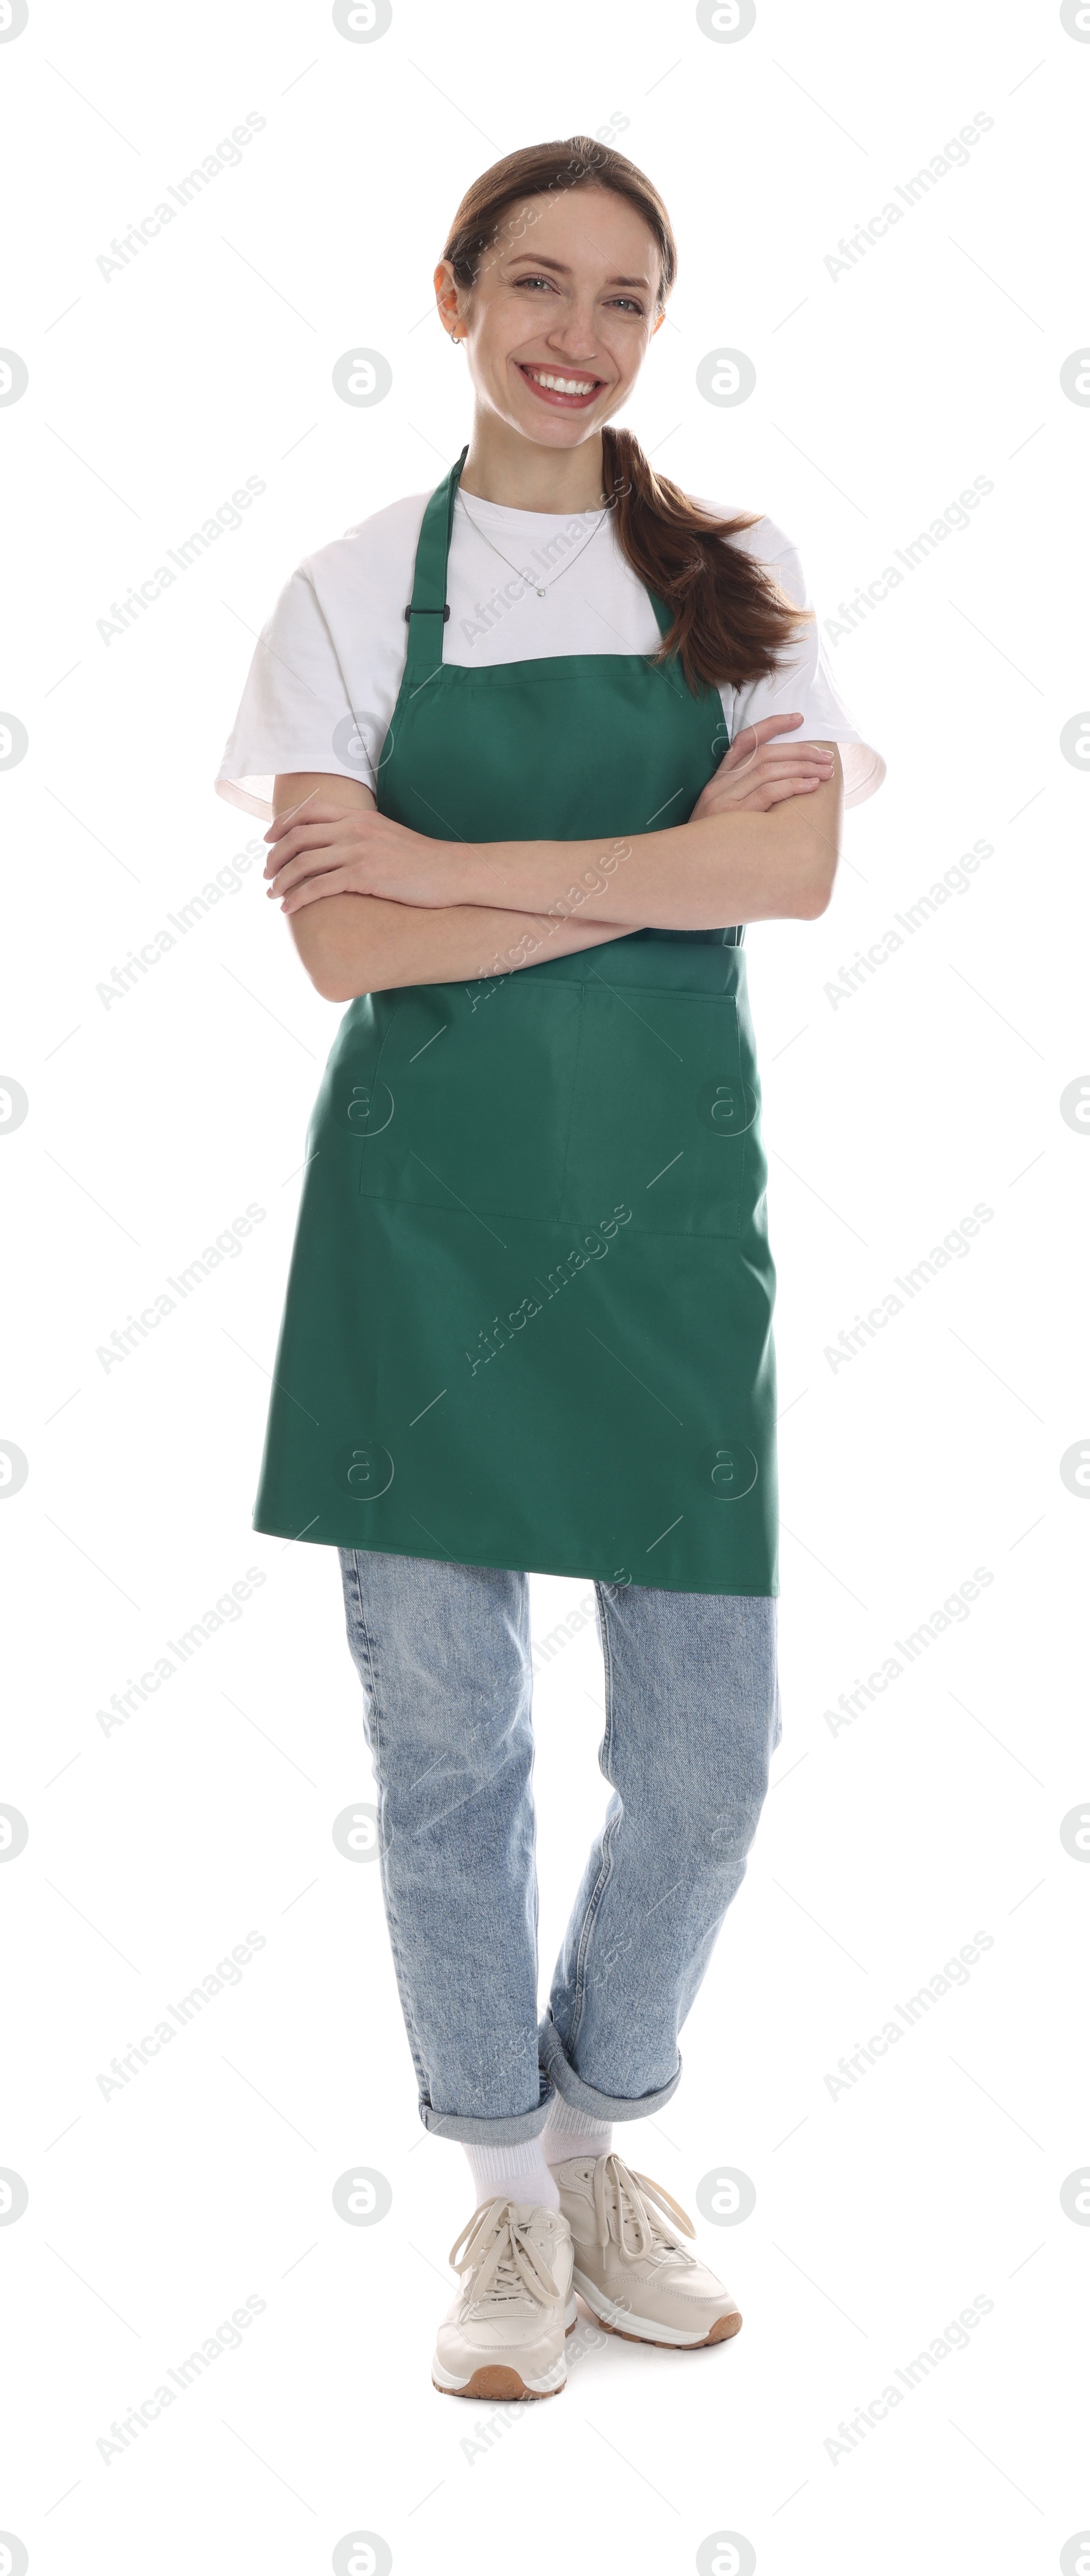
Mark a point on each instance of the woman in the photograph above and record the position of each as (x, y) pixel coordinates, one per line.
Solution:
(528, 1323)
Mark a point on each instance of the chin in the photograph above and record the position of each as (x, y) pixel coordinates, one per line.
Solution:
(553, 428)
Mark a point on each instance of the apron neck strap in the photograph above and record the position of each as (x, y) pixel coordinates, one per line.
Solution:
(427, 612)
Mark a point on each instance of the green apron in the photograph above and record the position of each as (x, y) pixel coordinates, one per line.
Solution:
(528, 1319)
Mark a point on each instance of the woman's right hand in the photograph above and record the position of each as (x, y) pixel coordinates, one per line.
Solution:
(761, 770)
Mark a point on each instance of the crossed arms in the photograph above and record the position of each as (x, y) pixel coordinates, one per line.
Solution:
(373, 905)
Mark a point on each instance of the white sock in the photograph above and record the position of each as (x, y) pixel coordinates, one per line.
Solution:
(568, 2132)
(516, 2171)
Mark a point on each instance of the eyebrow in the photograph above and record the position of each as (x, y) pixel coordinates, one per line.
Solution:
(561, 270)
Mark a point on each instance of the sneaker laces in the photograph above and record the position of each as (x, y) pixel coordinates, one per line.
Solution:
(628, 2214)
(499, 2257)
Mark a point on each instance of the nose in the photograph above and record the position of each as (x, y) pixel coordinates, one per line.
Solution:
(575, 333)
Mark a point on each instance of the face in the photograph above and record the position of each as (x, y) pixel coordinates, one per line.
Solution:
(557, 325)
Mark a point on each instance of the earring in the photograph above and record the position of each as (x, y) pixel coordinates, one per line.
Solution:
(454, 339)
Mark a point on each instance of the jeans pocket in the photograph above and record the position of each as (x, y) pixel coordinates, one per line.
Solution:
(660, 1113)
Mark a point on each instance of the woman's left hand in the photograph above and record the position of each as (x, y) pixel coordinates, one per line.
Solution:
(762, 769)
(321, 849)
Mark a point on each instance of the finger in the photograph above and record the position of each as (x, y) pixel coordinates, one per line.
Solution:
(305, 836)
(740, 798)
(282, 823)
(785, 762)
(308, 863)
(779, 789)
(729, 784)
(744, 748)
(773, 792)
(318, 820)
(766, 727)
(338, 881)
(315, 808)
(748, 742)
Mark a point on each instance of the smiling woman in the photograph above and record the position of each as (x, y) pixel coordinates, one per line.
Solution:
(579, 785)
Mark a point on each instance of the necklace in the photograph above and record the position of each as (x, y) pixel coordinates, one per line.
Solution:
(517, 569)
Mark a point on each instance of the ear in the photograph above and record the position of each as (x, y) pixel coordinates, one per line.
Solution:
(658, 323)
(447, 293)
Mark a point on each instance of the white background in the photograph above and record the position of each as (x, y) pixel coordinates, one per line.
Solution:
(152, 1123)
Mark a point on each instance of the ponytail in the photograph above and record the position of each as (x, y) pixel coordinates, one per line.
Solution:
(731, 621)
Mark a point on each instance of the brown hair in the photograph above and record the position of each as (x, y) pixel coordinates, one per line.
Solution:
(731, 621)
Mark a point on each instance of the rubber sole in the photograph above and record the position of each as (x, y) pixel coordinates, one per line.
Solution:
(721, 2332)
(497, 2380)
(724, 2328)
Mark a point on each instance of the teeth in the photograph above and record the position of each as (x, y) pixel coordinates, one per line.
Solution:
(562, 384)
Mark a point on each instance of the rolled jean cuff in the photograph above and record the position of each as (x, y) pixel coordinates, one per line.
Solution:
(509, 2130)
(585, 2097)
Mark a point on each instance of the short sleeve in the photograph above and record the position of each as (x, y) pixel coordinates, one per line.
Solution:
(294, 705)
(803, 683)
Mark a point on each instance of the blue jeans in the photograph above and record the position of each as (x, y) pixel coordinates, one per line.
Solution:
(692, 1718)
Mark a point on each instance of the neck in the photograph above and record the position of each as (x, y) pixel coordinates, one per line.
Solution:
(510, 470)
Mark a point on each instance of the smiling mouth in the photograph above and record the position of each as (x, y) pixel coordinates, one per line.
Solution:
(569, 392)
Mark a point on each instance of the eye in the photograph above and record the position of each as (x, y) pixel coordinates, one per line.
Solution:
(533, 281)
(629, 304)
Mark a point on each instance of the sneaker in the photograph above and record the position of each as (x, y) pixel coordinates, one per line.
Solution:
(629, 2266)
(504, 2336)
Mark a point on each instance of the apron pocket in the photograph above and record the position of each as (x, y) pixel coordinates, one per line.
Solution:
(474, 1087)
(661, 1112)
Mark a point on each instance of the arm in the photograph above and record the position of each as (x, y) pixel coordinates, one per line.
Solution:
(355, 943)
(732, 860)
(762, 844)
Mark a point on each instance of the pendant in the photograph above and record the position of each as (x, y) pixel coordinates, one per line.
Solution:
(540, 593)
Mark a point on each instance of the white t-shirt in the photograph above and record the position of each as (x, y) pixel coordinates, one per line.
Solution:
(329, 662)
